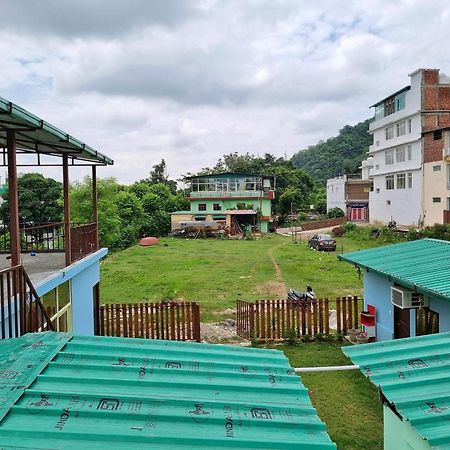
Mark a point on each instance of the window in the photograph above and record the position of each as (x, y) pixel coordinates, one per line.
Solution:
(401, 128)
(427, 321)
(388, 202)
(202, 206)
(58, 305)
(389, 157)
(436, 199)
(217, 207)
(389, 132)
(377, 167)
(409, 152)
(437, 168)
(389, 182)
(409, 125)
(401, 181)
(410, 180)
(400, 154)
(437, 135)
(448, 203)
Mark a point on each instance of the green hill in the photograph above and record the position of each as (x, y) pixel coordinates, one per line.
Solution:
(337, 155)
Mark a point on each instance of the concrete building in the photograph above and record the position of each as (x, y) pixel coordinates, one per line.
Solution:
(231, 199)
(351, 194)
(405, 169)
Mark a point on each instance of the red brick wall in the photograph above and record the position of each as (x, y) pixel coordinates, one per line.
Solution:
(432, 150)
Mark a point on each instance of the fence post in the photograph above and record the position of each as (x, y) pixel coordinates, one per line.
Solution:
(327, 316)
(196, 321)
(338, 315)
(356, 311)
(251, 322)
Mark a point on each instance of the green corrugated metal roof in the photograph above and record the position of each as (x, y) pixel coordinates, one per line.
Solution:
(423, 265)
(36, 135)
(100, 392)
(414, 376)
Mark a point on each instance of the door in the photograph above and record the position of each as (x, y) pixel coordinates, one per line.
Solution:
(401, 323)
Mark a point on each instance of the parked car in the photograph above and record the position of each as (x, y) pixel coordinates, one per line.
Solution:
(322, 242)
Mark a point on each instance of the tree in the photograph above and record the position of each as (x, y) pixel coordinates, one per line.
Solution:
(109, 222)
(159, 176)
(40, 200)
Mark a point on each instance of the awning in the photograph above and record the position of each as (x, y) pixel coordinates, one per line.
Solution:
(34, 135)
(241, 212)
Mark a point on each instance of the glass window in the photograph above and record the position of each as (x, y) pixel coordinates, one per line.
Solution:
(436, 199)
(217, 207)
(401, 128)
(389, 182)
(401, 181)
(58, 306)
(409, 152)
(379, 111)
(389, 132)
(409, 125)
(202, 206)
(437, 168)
(389, 157)
(400, 101)
(400, 154)
(410, 180)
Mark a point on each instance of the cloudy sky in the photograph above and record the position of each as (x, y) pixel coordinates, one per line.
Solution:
(188, 81)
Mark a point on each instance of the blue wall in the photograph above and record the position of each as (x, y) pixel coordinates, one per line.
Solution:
(377, 292)
(83, 276)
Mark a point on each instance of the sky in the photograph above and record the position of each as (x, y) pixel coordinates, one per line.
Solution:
(191, 80)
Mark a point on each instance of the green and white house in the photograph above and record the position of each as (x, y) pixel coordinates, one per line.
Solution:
(230, 199)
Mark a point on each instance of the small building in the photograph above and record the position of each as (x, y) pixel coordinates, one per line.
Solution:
(436, 175)
(234, 200)
(351, 194)
(63, 391)
(412, 376)
(50, 272)
(408, 285)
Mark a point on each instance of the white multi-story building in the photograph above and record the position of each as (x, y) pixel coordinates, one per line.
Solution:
(397, 156)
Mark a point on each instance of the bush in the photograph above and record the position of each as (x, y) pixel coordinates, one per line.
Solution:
(349, 226)
(290, 336)
(335, 212)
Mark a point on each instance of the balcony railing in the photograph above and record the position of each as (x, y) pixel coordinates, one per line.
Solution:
(228, 194)
(50, 237)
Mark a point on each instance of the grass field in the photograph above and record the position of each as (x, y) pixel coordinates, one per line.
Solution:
(216, 273)
(345, 400)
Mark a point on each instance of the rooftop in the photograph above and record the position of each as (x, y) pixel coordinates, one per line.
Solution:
(63, 391)
(35, 135)
(423, 265)
(414, 377)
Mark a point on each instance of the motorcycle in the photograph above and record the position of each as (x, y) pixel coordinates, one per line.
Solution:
(297, 296)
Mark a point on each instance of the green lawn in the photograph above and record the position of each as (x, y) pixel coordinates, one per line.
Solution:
(345, 400)
(216, 273)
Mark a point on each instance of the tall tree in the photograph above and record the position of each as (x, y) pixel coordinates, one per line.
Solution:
(159, 175)
(40, 200)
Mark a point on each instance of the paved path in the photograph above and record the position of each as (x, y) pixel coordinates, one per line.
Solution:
(304, 234)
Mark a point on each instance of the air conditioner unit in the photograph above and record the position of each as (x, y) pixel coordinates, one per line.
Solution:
(405, 298)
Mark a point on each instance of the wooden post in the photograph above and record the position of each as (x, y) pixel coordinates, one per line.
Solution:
(67, 237)
(95, 204)
(13, 198)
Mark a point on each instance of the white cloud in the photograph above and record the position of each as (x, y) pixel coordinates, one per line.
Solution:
(188, 81)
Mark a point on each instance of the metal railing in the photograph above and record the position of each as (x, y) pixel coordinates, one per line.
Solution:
(228, 194)
(21, 309)
(83, 240)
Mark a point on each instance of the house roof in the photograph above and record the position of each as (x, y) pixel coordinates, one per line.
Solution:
(406, 88)
(423, 265)
(241, 212)
(34, 135)
(64, 391)
(414, 377)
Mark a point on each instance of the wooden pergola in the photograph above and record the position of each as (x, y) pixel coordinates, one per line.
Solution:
(28, 141)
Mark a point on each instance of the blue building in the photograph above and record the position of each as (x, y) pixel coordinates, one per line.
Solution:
(409, 286)
(50, 272)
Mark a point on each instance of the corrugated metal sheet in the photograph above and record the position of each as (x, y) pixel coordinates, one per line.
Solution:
(414, 376)
(100, 392)
(423, 265)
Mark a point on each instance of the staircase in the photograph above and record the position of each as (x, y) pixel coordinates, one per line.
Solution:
(21, 309)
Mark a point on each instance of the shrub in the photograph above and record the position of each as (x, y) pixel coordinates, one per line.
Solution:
(290, 336)
(335, 212)
(349, 226)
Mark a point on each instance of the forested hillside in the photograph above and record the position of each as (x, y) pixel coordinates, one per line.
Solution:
(337, 155)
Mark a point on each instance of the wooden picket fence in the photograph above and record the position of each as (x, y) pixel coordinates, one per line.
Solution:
(269, 320)
(176, 321)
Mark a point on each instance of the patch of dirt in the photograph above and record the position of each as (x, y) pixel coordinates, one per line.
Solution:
(229, 312)
(272, 287)
(222, 332)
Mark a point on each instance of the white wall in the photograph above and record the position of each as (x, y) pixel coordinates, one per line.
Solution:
(336, 193)
(402, 205)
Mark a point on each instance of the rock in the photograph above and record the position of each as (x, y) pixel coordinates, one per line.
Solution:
(150, 240)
